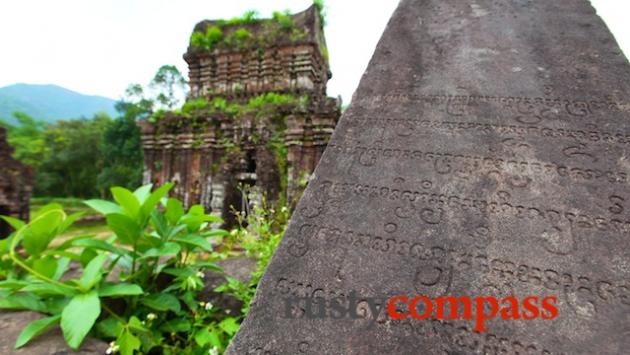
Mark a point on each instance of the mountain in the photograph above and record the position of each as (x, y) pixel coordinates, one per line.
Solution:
(50, 103)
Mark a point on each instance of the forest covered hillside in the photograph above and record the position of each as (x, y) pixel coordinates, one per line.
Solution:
(50, 103)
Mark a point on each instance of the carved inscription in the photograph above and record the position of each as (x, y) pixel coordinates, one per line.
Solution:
(591, 133)
(437, 263)
(464, 166)
(459, 337)
(485, 153)
(526, 110)
(436, 203)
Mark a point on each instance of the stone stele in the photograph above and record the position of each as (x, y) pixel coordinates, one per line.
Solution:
(485, 152)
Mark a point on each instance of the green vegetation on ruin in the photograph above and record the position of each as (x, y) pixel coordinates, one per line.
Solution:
(280, 25)
(264, 105)
(271, 106)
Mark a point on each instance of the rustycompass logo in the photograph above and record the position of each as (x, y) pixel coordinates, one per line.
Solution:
(479, 309)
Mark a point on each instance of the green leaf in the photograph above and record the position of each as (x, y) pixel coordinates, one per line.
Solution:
(62, 266)
(166, 249)
(174, 211)
(194, 222)
(92, 273)
(143, 192)
(155, 198)
(63, 254)
(136, 324)
(34, 329)
(40, 232)
(176, 326)
(208, 265)
(116, 290)
(196, 210)
(203, 337)
(159, 224)
(45, 289)
(127, 200)
(78, 317)
(194, 240)
(103, 207)
(180, 273)
(162, 302)
(13, 222)
(13, 284)
(69, 221)
(21, 301)
(126, 229)
(5, 243)
(55, 305)
(46, 266)
(176, 230)
(109, 327)
(86, 256)
(214, 219)
(48, 207)
(98, 244)
(127, 342)
(229, 325)
(215, 340)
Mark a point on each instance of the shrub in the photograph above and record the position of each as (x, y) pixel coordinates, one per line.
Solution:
(208, 40)
(139, 287)
(213, 36)
(240, 38)
(270, 98)
(196, 105)
(284, 19)
(259, 233)
(249, 17)
(198, 40)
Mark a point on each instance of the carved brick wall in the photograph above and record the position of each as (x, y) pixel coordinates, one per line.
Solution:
(210, 154)
(15, 185)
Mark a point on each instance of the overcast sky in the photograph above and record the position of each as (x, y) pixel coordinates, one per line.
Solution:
(100, 47)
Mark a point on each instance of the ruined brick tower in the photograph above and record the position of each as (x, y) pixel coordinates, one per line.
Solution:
(15, 186)
(257, 114)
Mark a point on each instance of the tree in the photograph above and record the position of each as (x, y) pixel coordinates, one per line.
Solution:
(75, 158)
(27, 138)
(134, 103)
(122, 155)
(123, 161)
(170, 84)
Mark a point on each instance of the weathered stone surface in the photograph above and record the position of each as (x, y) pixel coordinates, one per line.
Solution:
(485, 153)
(209, 154)
(49, 343)
(16, 185)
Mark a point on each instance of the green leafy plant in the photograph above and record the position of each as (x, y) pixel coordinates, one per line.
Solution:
(283, 19)
(139, 287)
(249, 17)
(207, 40)
(259, 233)
(239, 38)
(195, 105)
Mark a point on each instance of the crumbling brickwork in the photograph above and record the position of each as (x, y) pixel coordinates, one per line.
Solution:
(232, 131)
(15, 186)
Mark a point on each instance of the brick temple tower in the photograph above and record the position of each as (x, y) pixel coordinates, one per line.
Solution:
(257, 114)
(15, 186)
